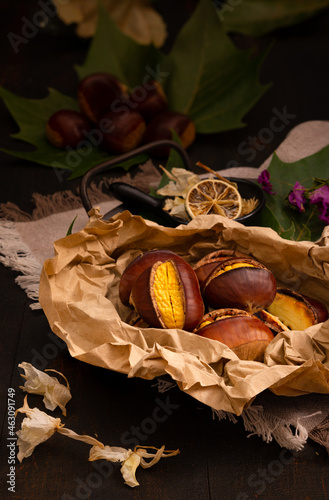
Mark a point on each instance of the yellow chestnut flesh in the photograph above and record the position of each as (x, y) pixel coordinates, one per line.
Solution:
(167, 295)
(169, 299)
(293, 310)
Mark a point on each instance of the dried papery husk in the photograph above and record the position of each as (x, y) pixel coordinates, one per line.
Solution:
(240, 283)
(37, 382)
(137, 266)
(204, 266)
(249, 205)
(167, 295)
(293, 309)
(246, 335)
(272, 322)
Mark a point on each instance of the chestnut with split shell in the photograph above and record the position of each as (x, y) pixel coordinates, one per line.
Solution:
(124, 131)
(273, 322)
(67, 128)
(138, 265)
(241, 331)
(205, 265)
(98, 93)
(240, 283)
(149, 101)
(161, 128)
(167, 295)
(293, 309)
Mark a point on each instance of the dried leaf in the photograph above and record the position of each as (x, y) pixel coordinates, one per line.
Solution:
(128, 469)
(37, 382)
(181, 182)
(36, 428)
(135, 18)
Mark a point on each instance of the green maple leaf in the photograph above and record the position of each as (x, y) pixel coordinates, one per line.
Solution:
(204, 76)
(31, 115)
(259, 17)
(278, 213)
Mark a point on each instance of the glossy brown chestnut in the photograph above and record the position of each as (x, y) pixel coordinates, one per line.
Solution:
(122, 131)
(167, 295)
(320, 308)
(242, 332)
(150, 101)
(205, 265)
(161, 128)
(294, 310)
(98, 93)
(240, 283)
(138, 265)
(67, 128)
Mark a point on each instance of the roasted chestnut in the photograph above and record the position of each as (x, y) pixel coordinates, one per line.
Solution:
(161, 127)
(272, 322)
(67, 128)
(205, 265)
(97, 92)
(240, 283)
(241, 331)
(138, 265)
(124, 131)
(294, 310)
(148, 101)
(321, 310)
(167, 295)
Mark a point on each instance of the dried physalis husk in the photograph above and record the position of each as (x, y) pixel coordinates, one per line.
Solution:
(240, 283)
(241, 331)
(293, 309)
(37, 382)
(167, 295)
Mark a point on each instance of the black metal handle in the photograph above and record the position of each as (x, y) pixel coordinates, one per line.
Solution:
(86, 179)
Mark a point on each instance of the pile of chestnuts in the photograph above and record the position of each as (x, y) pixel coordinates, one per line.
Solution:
(116, 120)
(226, 296)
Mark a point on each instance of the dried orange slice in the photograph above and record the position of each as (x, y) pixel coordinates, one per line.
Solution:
(214, 196)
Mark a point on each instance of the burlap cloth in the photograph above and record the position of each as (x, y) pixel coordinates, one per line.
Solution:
(290, 421)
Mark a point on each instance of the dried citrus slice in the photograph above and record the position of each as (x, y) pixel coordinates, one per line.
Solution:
(214, 196)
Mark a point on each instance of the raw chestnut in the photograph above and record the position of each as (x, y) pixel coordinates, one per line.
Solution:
(97, 92)
(151, 102)
(241, 331)
(167, 295)
(240, 283)
(137, 266)
(294, 310)
(205, 265)
(124, 131)
(67, 128)
(161, 128)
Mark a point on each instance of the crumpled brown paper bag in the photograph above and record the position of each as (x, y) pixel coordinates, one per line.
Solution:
(79, 295)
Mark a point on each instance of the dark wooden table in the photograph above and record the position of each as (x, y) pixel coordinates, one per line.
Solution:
(217, 460)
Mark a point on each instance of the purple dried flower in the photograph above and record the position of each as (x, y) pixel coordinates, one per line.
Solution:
(297, 197)
(320, 197)
(264, 181)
